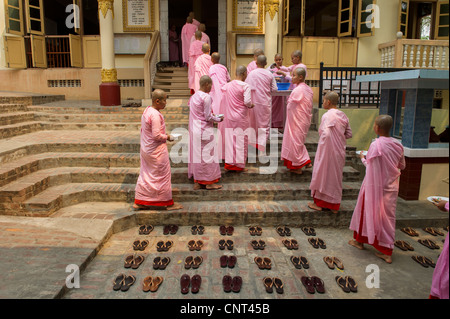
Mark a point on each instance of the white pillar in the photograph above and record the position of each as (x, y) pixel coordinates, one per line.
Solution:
(271, 8)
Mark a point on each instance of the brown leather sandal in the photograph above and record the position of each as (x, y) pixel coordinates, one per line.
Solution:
(260, 263)
(268, 284)
(197, 262)
(329, 261)
(156, 282)
(188, 262)
(339, 264)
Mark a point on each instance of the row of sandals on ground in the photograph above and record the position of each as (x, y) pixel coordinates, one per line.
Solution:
(246, 102)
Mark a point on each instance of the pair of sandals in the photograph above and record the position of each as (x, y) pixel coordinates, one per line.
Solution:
(133, 261)
(424, 261)
(232, 284)
(433, 231)
(255, 230)
(193, 262)
(193, 283)
(139, 245)
(198, 230)
(270, 283)
(123, 282)
(228, 261)
(258, 245)
(145, 229)
(170, 229)
(313, 284)
(151, 284)
(348, 284)
(403, 245)
(195, 245)
(226, 230)
(161, 263)
(309, 231)
(333, 262)
(410, 231)
(291, 244)
(229, 244)
(263, 263)
(284, 231)
(162, 246)
(300, 262)
(429, 243)
(317, 243)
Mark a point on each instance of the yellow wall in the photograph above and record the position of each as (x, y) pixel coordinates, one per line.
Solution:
(432, 183)
(368, 54)
(2, 34)
(361, 122)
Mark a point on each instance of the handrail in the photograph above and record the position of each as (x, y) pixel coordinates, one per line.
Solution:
(152, 54)
(231, 44)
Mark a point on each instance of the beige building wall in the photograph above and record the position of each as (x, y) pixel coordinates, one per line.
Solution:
(432, 186)
(368, 54)
(2, 34)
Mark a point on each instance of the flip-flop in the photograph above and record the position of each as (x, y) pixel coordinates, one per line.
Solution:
(429, 243)
(128, 261)
(279, 286)
(410, 232)
(319, 285)
(137, 261)
(433, 231)
(142, 229)
(408, 246)
(420, 260)
(304, 262)
(339, 264)
(260, 263)
(118, 282)
(343, 283)
(352, 284)
(296, 262)
(329, 261)
(321, 243)
(164, 263)
(400, 244)
(268, 284)
(309, 285)
(127, 283)
(314, 242)
(430, 262)
(156, 282)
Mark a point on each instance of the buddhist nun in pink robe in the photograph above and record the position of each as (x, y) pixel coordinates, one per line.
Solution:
(194, 21)
(202, 66)
(236, 101)
(326, 182)
(277, 69)
(252, 65)
(262, 83)
(187, 32)
(154, 185)
(205, 37)
(195, 52)
(298, 121)
(203, 164)
(440, 283)
(219, 76)
(374, 217)
(296, 58)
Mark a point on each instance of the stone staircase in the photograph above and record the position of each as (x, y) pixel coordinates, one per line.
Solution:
(91, 154)
(174, 81)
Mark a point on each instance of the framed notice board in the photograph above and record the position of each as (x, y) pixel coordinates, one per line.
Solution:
(248, 43)
(248, 16)
(138, 15)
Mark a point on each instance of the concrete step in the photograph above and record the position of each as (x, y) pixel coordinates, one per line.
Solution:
(12, 108)
(22, 128)
(16, 117)
(173, 87)
(105, 118)
(167, 79)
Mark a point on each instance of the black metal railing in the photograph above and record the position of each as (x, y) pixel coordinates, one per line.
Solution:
(351, 93)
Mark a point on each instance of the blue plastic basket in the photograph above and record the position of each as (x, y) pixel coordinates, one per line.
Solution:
(283, 86)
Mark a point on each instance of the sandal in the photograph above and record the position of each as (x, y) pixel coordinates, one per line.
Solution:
(137, 261)
(258, 231)
(307, 282)
(255, 244)
(339, 264)
(321, 243)
(309, 231)
(429, 243)
(400, 244)
(408, 246)
(137, 245)
(267, 263)
(279, 286)
(160, 246)
(156, 263)
(260, 263)
(314, 242)
(200, 230)
(192, 245)
(144, 244)
(168, 245)
(329, 261)
(156, 282)
(304, 262)
(252, 231)
(430, 262)
(164, 263)
(420, 260)
(127, 283)
(343, 283)
(197, 262)
(351, 284)
(410, 232)
(268, 284)
(188, 262)
(222, 244)
(129, 261)
(294, 244)
(433, 231)
(296, 262)
(118, 282)
(230, 244)
(147, 283)
(319, 285)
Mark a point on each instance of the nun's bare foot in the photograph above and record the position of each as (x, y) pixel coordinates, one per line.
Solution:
(197, 186)
(314, 206)
(356, 244)
(386, 258)
(213, 187)
(334, 211)
(309, 166)
(297, 171)
(174, 207)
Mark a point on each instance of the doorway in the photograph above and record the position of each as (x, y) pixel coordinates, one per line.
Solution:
(212, 13)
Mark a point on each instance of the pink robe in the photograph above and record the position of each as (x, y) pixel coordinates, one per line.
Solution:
(440, 284)
(326, 182)
(298, 120)
(251, 66)
(203, 163)
(173, 46)
(196, 23)
(278, 101)
(195, 52)
(379, 192)
(292, 69)
(154, 185)
(187, 33)
(219, 76)
(262, 83)
(202, 66)
(205, 38)
(234, 105)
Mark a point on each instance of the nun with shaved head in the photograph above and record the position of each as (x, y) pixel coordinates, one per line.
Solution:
(374, 217)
